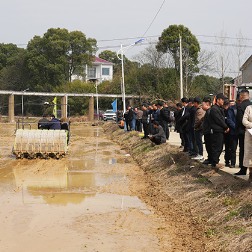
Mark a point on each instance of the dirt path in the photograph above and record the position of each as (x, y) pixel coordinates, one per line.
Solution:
(87, 201)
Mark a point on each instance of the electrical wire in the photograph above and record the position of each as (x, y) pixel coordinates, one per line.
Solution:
(154, 18)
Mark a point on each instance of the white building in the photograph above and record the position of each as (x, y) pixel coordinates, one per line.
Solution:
(100, 71)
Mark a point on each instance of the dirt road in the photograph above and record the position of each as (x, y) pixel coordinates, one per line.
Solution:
(87, 201)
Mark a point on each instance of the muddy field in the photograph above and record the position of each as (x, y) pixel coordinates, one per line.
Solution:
(87, 201)
(119, 195)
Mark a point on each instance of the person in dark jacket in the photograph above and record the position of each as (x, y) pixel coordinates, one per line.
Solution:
(42, 122)
(183, 122)
(54, 123)
(240, 129)
(130, 118)
(226, 136)
(159, 137)
(233, 140)
(167, 113)
(150, 121)
(178, 128)
(145, 121)
(206, 130)
(193, 149)
(163, 118)
(218, 128)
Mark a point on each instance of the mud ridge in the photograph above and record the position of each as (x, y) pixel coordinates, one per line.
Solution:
(204, 210)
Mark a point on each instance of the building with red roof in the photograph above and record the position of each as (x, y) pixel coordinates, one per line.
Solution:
(101, 70)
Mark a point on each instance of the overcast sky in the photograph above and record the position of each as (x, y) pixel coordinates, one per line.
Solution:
(124, 22)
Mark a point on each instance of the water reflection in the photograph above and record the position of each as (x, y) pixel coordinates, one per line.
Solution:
(57, 186)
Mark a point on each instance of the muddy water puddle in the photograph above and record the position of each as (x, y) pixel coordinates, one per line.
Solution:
(79, 203)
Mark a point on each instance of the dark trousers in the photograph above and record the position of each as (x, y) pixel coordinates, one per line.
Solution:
(198, 138)
(129, 124)
(138, 125)
(208, 145)
(186, 146)
(167, 133)
(227, 148)
(217, 146)
(193, 143)
(241, 152)
(233, 141)
(182, 139)
(146, 129)
(165, 127)
(156, 140)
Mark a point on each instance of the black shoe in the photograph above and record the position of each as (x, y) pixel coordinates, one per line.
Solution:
(227, 165)
(240, 174)
(192, 154)
(232, 166)
(206, 162)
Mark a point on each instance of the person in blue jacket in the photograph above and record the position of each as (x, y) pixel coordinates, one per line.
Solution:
(233, 139)
(54, 123)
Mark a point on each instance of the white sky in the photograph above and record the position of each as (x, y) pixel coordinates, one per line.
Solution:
(20, 21)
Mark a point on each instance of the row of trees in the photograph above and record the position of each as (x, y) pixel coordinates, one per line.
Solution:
(48, 63)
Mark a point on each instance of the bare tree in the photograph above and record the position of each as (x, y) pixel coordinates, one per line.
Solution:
(222, 56)
(240, 52)
(150, 55)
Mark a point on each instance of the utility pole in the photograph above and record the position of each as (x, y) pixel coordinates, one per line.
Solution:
(181, 70)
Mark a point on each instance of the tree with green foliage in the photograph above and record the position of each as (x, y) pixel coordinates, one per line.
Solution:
(8, 54)
(204, 85)
(110, 56)
(169, 42)
(54, 58)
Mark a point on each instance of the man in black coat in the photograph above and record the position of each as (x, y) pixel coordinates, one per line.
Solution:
(163, 117)
(145, 121)
(193, 148)
(130, 118)
(42, 123)
(206, 105)
(183, 122)
(178, 127)
(240, 129)
(218, 128)
(167, 113)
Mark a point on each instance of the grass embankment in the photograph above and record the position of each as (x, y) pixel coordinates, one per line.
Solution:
(214, 208)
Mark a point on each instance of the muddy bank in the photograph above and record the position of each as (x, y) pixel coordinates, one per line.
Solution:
(208, 210)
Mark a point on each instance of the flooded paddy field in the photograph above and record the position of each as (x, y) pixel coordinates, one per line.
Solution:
(87, 201)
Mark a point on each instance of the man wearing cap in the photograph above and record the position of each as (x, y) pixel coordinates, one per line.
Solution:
(218, 128)
(159, 137)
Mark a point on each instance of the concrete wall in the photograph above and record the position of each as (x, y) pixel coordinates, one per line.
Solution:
(247, 74)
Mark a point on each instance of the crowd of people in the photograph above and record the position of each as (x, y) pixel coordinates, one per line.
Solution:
(221, 123)
(153, 119)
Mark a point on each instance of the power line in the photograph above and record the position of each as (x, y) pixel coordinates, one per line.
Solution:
(154, 18)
